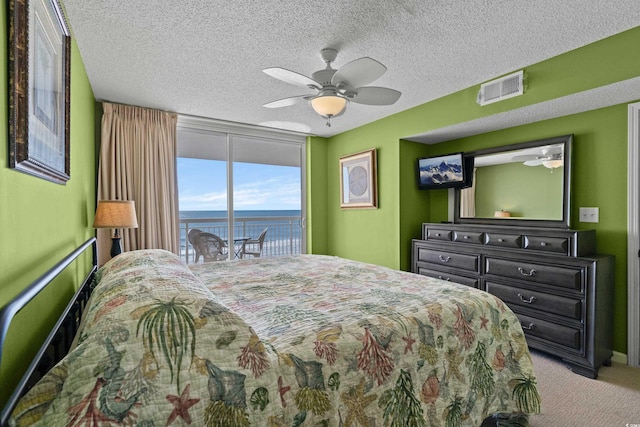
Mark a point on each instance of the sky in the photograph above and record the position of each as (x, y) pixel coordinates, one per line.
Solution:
(202, 185)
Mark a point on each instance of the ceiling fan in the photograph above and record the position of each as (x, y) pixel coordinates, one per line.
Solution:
(336, 88)
(552, 157)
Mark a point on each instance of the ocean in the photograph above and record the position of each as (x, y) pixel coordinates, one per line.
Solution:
(237, 214)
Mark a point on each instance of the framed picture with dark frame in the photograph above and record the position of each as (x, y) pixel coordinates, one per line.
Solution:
(359, 180)
(39, 89)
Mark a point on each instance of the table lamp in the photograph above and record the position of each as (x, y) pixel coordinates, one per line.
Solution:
(502, 214)
(115, 214)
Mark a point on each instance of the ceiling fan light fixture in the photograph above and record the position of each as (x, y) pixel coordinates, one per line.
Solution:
(552, 164)
(336, 88)
(328, 105)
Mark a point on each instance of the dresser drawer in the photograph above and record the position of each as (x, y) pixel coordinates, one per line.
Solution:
(449, 259)
(468, 237)
(547, 244)
(504, 240)
(438, 234)
(564, 277)
(468, 281)
(559, 334)
(514, 296)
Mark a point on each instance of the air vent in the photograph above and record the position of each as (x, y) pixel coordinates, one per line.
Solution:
(503, 88)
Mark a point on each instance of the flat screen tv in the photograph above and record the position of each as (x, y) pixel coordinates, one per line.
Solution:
(445, 171)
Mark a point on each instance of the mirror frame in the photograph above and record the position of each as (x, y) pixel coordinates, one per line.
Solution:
(566, 191)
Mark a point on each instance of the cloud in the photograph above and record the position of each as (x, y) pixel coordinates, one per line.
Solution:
(213, 201)
(274, 193)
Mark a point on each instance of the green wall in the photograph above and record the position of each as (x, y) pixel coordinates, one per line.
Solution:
(369, 235)
(414, 204)
(42, 222)
(383, 236)
(521, 193)
(316, 186)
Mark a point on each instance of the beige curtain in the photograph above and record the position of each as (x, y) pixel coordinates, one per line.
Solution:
(468, 199)
(138, 162)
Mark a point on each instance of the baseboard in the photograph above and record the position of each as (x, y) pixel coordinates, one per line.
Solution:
(619, 358)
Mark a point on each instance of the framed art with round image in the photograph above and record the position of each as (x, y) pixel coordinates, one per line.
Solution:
(358, 180)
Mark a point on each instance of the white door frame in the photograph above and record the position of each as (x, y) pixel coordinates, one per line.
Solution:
(633, 237)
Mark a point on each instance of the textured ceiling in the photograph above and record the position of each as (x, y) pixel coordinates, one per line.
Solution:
(204, 57)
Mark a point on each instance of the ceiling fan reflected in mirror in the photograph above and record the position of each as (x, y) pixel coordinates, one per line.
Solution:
(336, 88)
(552, 157)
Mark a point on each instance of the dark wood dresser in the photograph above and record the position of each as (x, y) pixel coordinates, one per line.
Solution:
(559, 288)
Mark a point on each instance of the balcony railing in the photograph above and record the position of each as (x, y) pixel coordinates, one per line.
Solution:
(283, 237)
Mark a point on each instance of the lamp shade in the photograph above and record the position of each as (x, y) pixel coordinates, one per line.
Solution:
(502, 214)
(115, 214)
(328, 105)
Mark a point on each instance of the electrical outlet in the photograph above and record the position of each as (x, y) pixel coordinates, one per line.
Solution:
(589, 214)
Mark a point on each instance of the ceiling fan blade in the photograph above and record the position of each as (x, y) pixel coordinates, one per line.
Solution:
(553, 150)
(524, 158)
(533, 162)
(372, 95)
(358, 73)
(291, 77)
(286, 102)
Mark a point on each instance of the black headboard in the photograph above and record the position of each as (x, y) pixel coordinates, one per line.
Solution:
(61, 336)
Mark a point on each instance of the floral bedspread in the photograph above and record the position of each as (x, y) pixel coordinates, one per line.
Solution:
(307, 340)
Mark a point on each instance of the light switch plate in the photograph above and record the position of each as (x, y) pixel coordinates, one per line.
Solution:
(589, 214)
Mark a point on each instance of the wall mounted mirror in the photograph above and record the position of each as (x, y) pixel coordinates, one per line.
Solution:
(521, 184)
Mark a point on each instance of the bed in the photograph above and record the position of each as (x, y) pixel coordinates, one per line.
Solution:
(305, 340)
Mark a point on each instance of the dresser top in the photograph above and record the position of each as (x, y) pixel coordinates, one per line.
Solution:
(548, 240)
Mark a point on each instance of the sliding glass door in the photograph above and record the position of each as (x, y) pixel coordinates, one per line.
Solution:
(202, 188)
(245, 187)
(267, 195)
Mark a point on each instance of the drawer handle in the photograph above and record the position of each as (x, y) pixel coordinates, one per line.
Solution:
(529, 327)
(437, 234)
(531, 272)
(525, 300)
(500, 240)
(444, 259)
(442, 278)
(543, 243)
(465, 237)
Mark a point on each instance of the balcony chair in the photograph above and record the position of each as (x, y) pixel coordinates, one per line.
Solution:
(253, 246)
(191, 237)
(211, 247)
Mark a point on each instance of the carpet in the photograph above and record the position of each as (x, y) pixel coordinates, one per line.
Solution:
(570, 399)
